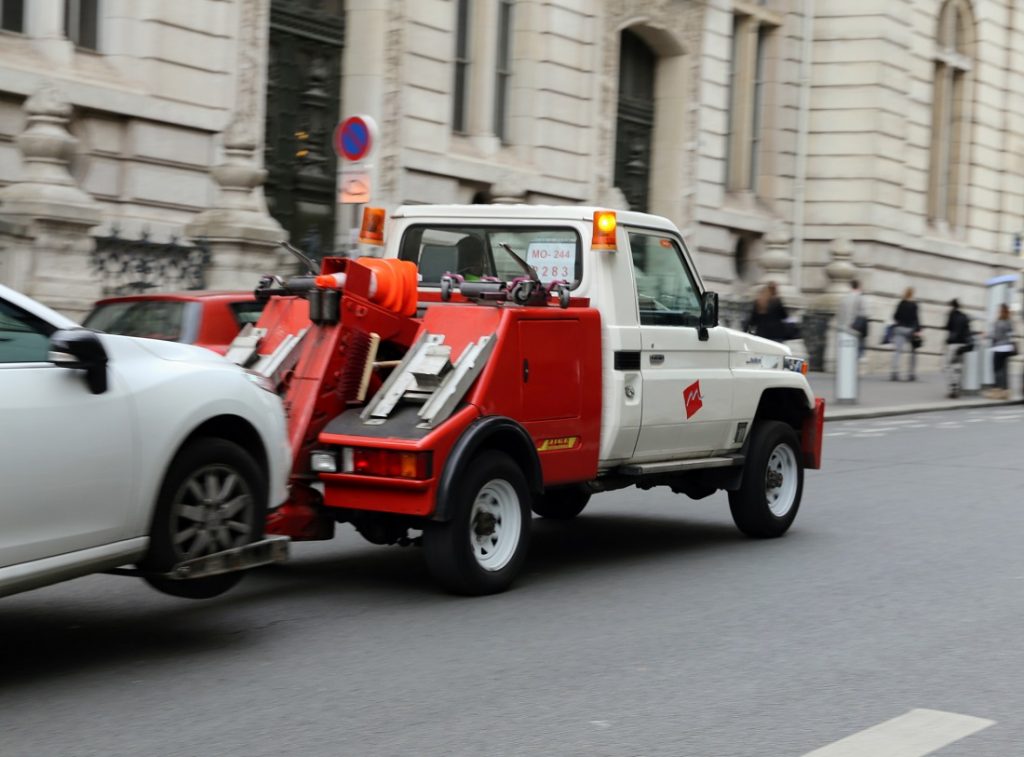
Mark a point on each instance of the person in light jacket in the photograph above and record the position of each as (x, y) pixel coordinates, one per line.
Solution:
(851, 318)
(1003, 347)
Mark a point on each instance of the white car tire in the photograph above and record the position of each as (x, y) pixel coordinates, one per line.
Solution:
(213, 498)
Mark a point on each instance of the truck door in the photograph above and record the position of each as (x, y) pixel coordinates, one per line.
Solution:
(687, 383)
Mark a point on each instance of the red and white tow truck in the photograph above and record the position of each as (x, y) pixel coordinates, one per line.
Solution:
(498, 360)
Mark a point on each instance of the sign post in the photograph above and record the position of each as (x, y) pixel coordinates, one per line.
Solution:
(354, 140)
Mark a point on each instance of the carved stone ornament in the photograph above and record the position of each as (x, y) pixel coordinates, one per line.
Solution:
(776, 259)
(237, 214)
(510, 188)
(840, 270)
(46, 189)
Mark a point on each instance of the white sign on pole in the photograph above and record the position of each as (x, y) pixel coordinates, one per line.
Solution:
(355, 184)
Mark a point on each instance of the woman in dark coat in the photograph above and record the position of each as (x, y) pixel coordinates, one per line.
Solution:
(907, 327)
(767, 317)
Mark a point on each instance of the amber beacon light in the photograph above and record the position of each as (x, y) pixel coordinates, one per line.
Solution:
(604, 230)
(372, 230)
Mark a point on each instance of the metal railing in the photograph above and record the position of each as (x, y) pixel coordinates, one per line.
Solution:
(130, 266)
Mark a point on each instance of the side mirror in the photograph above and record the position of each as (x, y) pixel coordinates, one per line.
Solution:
(81, 349)
(708, 314)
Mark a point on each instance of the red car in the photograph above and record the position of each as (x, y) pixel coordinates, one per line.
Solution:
(207, 319)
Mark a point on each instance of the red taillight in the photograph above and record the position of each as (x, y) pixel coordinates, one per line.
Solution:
(368, 461)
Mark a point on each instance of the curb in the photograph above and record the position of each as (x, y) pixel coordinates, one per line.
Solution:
(847, 413)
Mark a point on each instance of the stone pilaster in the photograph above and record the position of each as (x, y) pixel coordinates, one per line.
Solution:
(47, 217)
(244, 239)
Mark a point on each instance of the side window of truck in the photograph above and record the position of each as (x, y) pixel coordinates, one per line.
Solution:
(666, 293)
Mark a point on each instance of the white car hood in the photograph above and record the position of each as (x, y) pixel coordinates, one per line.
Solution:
(165, 350)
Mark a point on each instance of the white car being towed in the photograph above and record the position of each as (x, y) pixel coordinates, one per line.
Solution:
(117, 451)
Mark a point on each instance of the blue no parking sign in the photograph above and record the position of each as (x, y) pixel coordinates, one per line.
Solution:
(354, 137)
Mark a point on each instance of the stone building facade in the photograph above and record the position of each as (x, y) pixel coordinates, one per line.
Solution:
(805, 142)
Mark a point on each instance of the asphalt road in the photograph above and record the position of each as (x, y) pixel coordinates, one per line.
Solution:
(646, 627)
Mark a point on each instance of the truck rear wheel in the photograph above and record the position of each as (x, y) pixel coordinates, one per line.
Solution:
(482, 548)
(773, 481)
(561, 502)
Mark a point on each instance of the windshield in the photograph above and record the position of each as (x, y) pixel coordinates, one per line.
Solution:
(476, 251)
(153, 319)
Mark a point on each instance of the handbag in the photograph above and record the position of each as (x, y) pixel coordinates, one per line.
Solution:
(860, 325)
(916, 342)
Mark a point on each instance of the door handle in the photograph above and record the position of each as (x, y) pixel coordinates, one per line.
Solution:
(657, 359)
(526, 371)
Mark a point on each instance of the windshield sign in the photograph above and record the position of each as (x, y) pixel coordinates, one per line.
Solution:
(479, 252)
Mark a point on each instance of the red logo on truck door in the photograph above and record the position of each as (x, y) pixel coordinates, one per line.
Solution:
(692, 399)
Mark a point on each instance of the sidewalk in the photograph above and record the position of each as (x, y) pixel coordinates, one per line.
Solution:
(878, 396)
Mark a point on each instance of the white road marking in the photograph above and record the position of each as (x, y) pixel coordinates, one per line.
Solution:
(836, 433)
(914, 734)
(601, 723)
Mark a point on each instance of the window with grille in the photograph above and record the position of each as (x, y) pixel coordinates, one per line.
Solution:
(81, 23)
(752, 29)
(12, 15)
(950, 113)
(503, 71)
(461, 66)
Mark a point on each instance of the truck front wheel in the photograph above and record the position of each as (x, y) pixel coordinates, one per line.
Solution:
(482, 548)
(773, 481)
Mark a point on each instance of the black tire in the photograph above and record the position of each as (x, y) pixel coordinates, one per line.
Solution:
(185, 524)
(451, 548)
(196, 588)
(561, 502)
(761, 489)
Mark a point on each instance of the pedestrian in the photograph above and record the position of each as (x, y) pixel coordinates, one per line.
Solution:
(768, 315)
(906, 331)
(1003, 347)
(958, 342)
(851, 318)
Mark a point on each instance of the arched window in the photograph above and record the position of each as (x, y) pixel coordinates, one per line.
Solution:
(954, 53)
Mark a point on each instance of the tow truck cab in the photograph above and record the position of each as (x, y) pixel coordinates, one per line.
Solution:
(551, 352)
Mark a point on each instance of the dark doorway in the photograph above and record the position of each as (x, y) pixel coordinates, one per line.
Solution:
(303, 107)
(635, 121)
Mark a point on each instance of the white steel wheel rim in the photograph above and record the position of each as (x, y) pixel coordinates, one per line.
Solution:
(211, 511)
(780, 480)
(495, 522)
